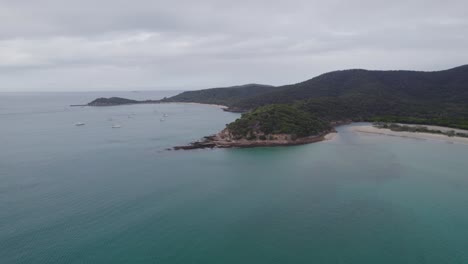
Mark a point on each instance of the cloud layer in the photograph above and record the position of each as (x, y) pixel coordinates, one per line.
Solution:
(127, 45)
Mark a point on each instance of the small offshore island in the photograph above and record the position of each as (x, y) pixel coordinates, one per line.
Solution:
(306, 112)
(118, 101)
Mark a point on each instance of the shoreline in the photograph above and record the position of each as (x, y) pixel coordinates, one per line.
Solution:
(370, 129)
(330, 136)
(192, 103)
(224, 107)
(214, 142)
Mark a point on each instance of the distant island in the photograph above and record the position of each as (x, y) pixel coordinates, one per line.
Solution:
(118, 101)
(305, 112)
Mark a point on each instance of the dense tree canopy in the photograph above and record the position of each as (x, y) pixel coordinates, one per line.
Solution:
(277, 119)
(439, 98)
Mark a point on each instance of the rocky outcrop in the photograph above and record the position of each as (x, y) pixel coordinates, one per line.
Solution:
(225, 139)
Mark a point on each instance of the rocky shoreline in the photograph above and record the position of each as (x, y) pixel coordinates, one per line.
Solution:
(221, 141)
(226, 139)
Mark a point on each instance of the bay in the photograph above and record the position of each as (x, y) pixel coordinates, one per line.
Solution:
(97, 194)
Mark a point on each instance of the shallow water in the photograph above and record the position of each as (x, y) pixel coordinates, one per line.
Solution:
(93, 194)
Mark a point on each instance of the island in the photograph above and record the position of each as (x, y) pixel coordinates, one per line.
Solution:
(112, 101)
(305, 112)
(119, 101)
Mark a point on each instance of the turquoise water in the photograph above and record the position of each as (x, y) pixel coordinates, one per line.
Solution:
(94, 194)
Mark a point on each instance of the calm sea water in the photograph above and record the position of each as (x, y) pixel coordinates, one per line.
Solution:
(93, 194)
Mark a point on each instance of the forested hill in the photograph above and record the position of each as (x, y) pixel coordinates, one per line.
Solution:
(223, 96)
(439, 97)
(449, 86)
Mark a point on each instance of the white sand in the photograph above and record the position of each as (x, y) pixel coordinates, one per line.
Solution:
(330, 136)
(443, 129)
(383, 131)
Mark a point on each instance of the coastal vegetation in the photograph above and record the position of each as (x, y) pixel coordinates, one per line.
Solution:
(112, 101)
(448, 87)
(311, 107)
(447, 121)
(228, 96)
(119, 101)
(431, 98)
(277, 119)
(420, 129)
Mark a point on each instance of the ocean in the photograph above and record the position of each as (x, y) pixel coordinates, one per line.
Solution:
(97, 194)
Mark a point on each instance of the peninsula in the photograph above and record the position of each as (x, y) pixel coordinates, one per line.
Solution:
(273, 125)
(305, 112)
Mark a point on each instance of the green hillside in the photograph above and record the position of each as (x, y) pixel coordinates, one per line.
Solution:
(449, 86)
(439, 98)
(277, 119)
(223, 96)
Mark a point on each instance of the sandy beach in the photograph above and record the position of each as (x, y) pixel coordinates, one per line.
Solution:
(330, 136)
(369, 129)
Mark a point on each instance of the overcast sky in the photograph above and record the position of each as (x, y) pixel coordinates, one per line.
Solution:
(70, 45)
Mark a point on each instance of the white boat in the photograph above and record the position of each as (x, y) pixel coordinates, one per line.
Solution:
(79, 124)
(116, 126)
(162, 119)
(165, 115)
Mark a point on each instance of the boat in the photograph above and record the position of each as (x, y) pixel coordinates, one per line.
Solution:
(79, 124)
(165, 115)
(116, 126)
(162, 119)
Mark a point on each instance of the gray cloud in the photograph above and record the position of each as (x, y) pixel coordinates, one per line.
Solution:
(126, 45)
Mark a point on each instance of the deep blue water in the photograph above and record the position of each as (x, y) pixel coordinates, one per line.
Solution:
(94, 194)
